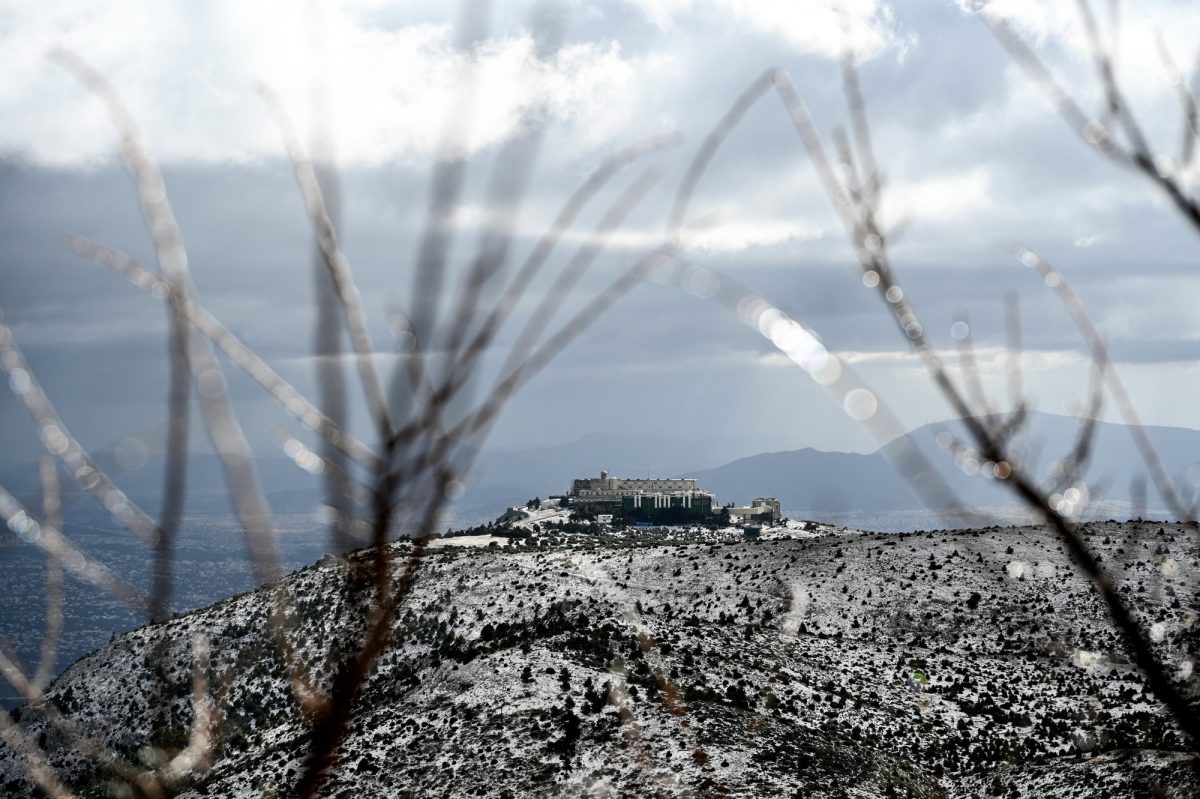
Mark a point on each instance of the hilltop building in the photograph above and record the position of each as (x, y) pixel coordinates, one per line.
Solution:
(663, 500)
(668, 507)
(605, 487)
(763, 509)
(660, 500)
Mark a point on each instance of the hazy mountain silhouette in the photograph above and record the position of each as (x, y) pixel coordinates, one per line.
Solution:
(807, 481)
(810, 483)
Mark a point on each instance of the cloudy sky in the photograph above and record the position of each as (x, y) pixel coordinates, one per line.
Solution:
(974, 155)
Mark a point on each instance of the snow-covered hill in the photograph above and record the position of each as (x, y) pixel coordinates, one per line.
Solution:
(627, 666)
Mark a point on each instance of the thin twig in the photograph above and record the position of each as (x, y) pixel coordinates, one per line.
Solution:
(238, 353)
(338, 264)
(197, 756)
(52, 516)
(1116, 387)
(59, 442)
(51, 541)
(36, 699)
(1137, 154)
(36, 763)
(870, 246)
(575, 269)
(224, 429)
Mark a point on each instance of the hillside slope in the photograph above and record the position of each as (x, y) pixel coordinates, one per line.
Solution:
(530, 670)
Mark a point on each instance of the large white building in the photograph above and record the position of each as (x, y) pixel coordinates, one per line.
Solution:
(665, 497)
(763, 509)
(635, 497)
(605, 487)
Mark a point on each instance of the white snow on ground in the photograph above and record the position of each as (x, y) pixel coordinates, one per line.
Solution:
(696, 662)
(549, 511)
(468, 541)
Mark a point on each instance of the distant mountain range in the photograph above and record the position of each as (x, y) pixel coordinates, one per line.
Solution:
(848, 488)
(853, 488)
(840, 486)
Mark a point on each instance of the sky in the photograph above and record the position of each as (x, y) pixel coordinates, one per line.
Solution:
(974, 156)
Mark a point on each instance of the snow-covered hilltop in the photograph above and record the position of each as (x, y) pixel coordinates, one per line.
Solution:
(806, 662)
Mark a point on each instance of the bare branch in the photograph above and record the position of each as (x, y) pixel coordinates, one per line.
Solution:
(336, 261)
(1187, 100)
(871, 249)
(327, 327)
(238, 353)
(221, 422)
(197, 756)
(513, 166)
(33, 694)
(36, 764)
(575, 269)
(172, 260)
(709, 147)
(1116, 387)
(59, 442)
(1091, 131)
(970, 370)
(52, 516)
(52, 542)
(445, 189)
(1137, 154)
(529, 270)
(223, 427)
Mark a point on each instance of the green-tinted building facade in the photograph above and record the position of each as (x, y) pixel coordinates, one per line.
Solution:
(664, 508)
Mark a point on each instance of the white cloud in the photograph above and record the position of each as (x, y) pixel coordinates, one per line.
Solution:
(726, 238)
(739, 236)
(390, 74)
(662, 13)
(1136, 34)
(989, 360)
(814, 27)
(942, 199)
(1035, 18)
(188, 75)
